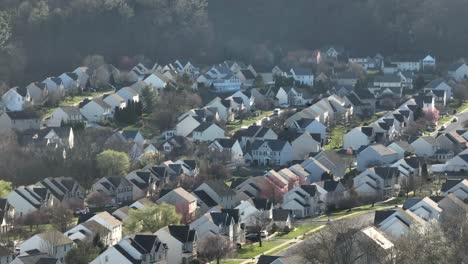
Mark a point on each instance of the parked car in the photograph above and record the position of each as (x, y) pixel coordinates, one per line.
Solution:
(454, 120)
(442, 128)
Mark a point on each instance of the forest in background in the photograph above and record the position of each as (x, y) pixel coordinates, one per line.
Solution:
(40, 38)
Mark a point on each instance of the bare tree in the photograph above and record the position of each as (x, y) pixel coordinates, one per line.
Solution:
(214, 247)
(259, 223)
(98, 199)
(60, 217)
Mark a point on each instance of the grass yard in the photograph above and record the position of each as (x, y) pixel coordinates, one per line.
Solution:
(336, 138)
(250, 251)
(298, 231)
(78, 98)
(232, 127)
(358, 210)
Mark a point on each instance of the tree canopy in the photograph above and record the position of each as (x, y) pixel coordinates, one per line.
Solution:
(151, 218)
(112, 163)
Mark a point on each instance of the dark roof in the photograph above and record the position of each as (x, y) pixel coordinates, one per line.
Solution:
(22, 91)
(226, 142)
(262, 203)
(191, 163)
(281, 215)
(449, 184)
(412, 161)
(202, 195)
(410, 202)
(275, 145)
(5, 251)
(455, 66)
(388, 78)
(39, 258)
(364, 94)
(220, 188)
(182, 233)
(310, 189)
(248, 74)
(233, 213)
(238, 100)
(202, 127)
(129, 134)
(381, 215)
(330, 186)
(220, 219)
(126, 254)
(264, 259)
(21, 115)
(436, 198)
(146, 241)
(368, 131)
(236, 182)
(354, 99)
(386, 172)
(115, 180)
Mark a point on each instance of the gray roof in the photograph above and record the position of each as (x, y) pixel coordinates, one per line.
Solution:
(281, 215)
(220, 188)
(388, 78)
(71, 110)
(275, 145)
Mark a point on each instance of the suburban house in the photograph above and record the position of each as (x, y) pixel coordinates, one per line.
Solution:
(138, 248)
(132, 136)
(318, 172)
(303, 201)
(35, 257)
(403, 148)
(117, 187)
(6, 255)
(282, 219)
(156, 80)
(428, 63)
(184, 202)
(253, 133)
(230, 146)
(38, 92)
(51, 242)
(128, 94)
(304, 143)
(55, 87)
(17, 99)
(96, 110)
(312, 126)
(225, 112)
(28, 199)
(459, 188)
(425, 146)
(64, 189)
(408, 166)
(111, 223)
(65, 114)
(114, 101)
(426, 208)
(451, 141)
(265, 259)
(207, 132)
(376, 155)
(302, 76)
(458, 71)
(346, 78)
(70, 82)
(440, 85)
(186, 125)
(396, 222)
(458, 163)
(377, 182)
(332, 192)
(20, 121)
(333, 162)
(83, 76)
(214, 223)
(87, 231)
(219, 192)
(181, 242)
(7, 215)
(358, 137)
(270, 152)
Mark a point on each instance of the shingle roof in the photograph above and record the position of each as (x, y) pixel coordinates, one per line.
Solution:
(220, 188)
(226, 142)
(55, 238)
(202, 195)
(310, 189)
(262, 203)
(280, 215)
(410, 202)
(21, 115)
(264, 259)
(449, 184)
(182, 233)
(381, 215)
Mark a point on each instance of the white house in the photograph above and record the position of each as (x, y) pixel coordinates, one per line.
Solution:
(7, 216)
(428, 63)
(20, 121)
(458, 71)
(52, 242)
(96, 110)
(376, 155)
(70, 82)
(138, 248)
(396, 222)
(403, 148)
(185, 126)
(16, 99)
(425, 146)
(228, 145)
(332, 161)
(156, 80)
(312, 126)
(224, 111)
(303, 201)
(304, 144)
(87, 231)
(55, 86)
(316, 169)
(440, 84)
(358, 137)
(67, 114)
(270, 152)
(114, 101)
(38, 92)
(427, 209)
(129, 94)
(377, 182)
(254, 132)
(302, 76)
(459, 188)
(219, 192)
(83, 76)
(207, 132)
(181, 243)
(112, 224)
(29, 199)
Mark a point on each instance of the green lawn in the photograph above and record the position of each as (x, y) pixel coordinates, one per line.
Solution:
(232, 127)
(298, 231)
(250, 251)
(360, 210)
(336, 138)
(69, 100)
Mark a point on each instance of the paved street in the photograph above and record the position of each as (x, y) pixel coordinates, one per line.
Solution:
(462, 117)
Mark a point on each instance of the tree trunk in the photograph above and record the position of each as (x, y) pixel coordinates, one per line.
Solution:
(217, 260)
(260, 239)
